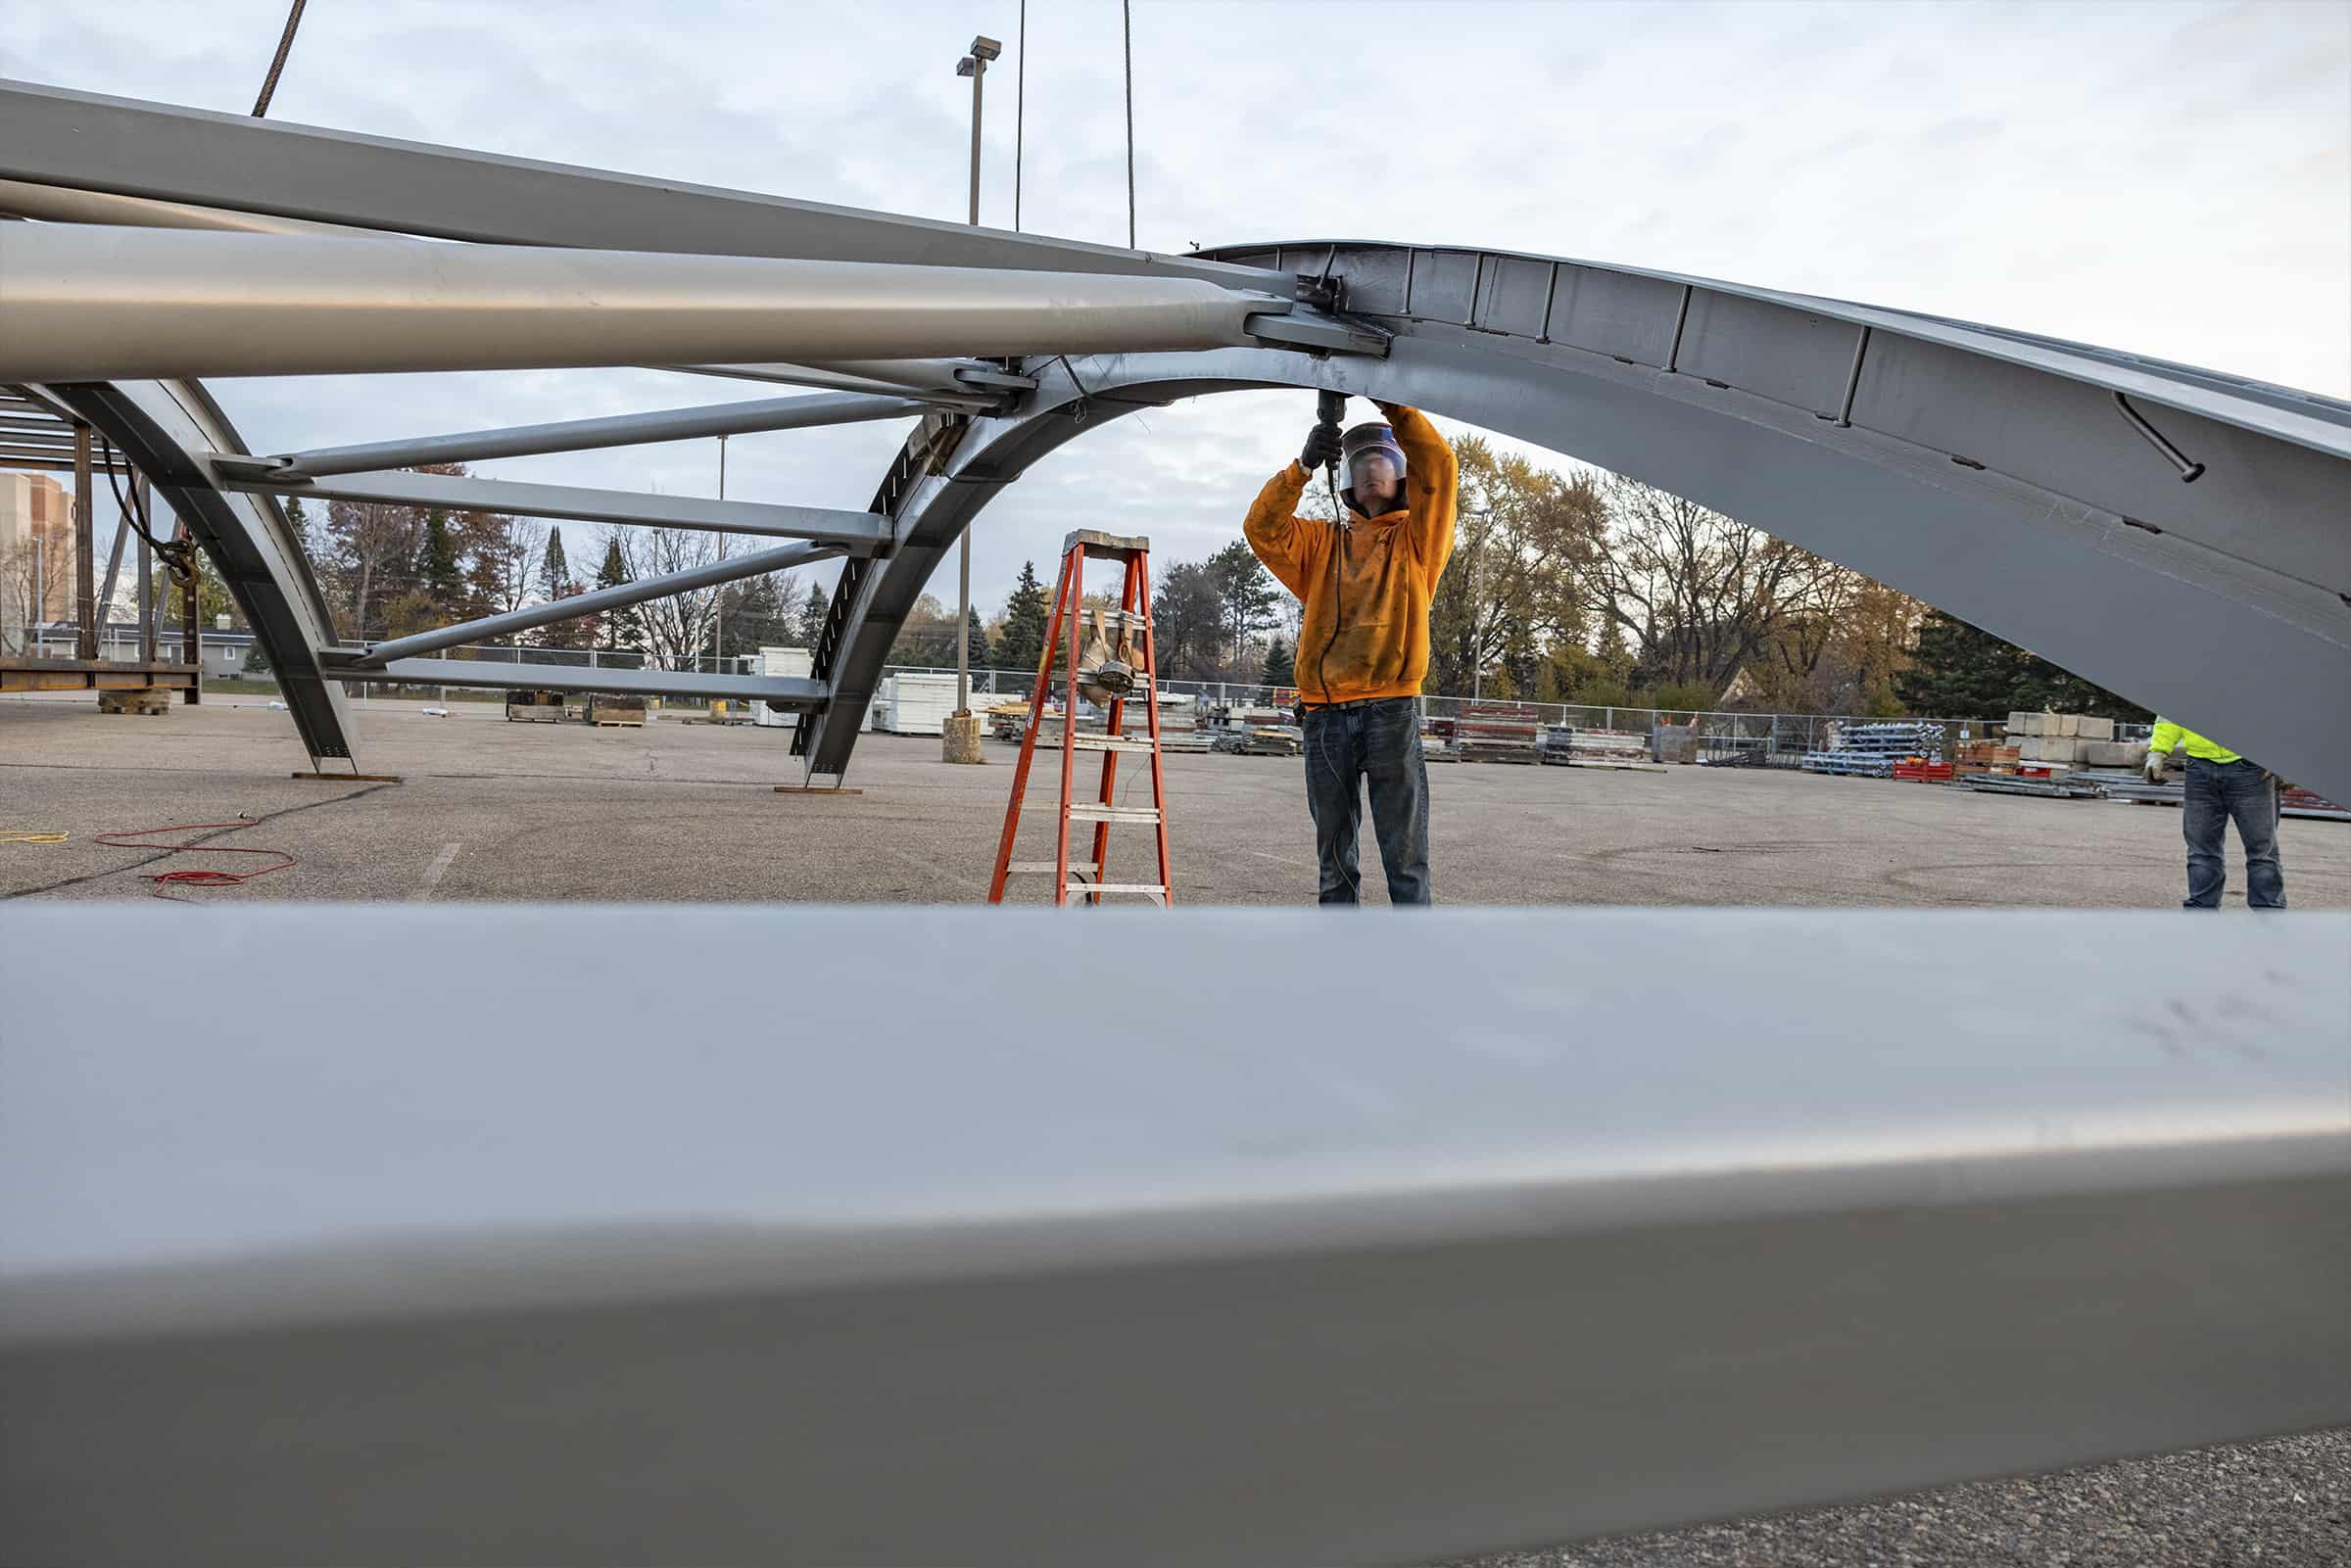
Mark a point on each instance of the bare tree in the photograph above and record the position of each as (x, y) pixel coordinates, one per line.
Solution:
(503, 556)
(30, 577)
(1521, 535)
(676, 628)
(1695, 594)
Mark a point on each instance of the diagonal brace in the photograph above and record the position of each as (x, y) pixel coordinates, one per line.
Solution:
(732, 569)
(580, 435)
(857, 532)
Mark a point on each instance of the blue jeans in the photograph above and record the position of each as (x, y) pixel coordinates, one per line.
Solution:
(2216, 792)
(1349, 745)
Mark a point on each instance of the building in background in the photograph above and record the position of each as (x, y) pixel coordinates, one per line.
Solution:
(36, 555)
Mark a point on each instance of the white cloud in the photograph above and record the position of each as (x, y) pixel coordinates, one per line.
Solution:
(2172, 178)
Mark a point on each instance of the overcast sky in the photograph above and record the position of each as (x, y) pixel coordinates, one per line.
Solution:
(2169, 178)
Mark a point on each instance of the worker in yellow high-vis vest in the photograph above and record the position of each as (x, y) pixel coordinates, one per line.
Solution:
(2220, 785)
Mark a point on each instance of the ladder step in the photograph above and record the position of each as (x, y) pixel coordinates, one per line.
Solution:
(1108, 743)
(1153, 889)
(1089, 811)
(1032, 868)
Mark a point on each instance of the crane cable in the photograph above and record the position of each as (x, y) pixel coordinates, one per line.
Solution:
(277, 61)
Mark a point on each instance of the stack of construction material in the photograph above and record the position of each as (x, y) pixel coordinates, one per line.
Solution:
(2295, 801)
(1563, 745)
(1272, 741)
(1495, 732)
(2062, 784)
(2070, 741)
(1871, 750)
(914, 703)
(2133, 785)
(1984, 756)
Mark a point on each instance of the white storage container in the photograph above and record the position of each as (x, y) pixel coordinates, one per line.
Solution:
(915, 704)
(786, 663)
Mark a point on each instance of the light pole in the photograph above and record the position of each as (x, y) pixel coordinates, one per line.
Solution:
(956, 747)
(718, 618)
(1477, 604)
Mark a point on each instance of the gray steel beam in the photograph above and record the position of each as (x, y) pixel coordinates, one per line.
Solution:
(856, 530)
(809, 375)
(732, 569)
(581, 435)
(88, 141)
(781, 692)
(81, 302)
(1457, 1285)
(162, 428)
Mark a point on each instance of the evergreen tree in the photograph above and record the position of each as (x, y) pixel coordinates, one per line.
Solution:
(974, 636)
(440, 574)
(620, 629)
(1025, 614)
(1962, 672)
(554, 573)
(810, 629)
(1281, 664)
(1246, 588)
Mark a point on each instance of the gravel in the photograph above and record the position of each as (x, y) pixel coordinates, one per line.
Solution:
(2285, 1502)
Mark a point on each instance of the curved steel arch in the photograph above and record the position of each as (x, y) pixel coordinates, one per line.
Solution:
(165, 428)
(2004, 478)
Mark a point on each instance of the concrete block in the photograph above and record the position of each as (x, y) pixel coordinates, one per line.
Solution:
(2113, 753)
(960, 738)
(2060, 748)
(2017, 722)
(2069, 725)
(2029, 749)
(2032, 724)
(2095, 728)
(155, 701)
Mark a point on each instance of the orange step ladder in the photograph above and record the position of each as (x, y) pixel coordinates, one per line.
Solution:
(1103, 811)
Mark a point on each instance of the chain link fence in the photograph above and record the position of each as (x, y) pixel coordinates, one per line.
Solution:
(1769, 739)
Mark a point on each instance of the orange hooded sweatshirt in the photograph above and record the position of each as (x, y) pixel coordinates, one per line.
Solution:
(1367, 593)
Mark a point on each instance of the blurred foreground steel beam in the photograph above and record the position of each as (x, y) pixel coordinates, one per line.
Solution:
(79, 303)
(1372, 1280)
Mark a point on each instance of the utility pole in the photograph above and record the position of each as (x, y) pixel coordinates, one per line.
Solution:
(961, 743)
(1477, 603)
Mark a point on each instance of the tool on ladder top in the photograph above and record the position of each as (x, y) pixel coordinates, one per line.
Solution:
(1109, 674)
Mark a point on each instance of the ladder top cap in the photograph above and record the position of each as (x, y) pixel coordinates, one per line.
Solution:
(1094, 539)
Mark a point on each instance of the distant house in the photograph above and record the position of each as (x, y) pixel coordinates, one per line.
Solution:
(1741, 694)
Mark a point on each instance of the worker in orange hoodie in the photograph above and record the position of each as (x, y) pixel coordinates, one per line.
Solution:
(1362, 647)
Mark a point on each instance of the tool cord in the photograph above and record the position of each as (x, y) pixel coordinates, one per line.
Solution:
(198, 876)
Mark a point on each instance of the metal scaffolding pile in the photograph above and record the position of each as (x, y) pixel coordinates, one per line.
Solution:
(1872, 750)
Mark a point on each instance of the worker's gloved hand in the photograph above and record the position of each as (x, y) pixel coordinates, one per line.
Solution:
(2155, 762)
(1322, 448)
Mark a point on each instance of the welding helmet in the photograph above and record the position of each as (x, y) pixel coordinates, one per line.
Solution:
(1370, 452)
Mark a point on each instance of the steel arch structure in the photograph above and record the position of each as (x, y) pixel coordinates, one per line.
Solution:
(2179, 535)
(2013, 1226)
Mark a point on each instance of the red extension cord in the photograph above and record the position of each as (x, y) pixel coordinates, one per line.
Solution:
(201, 878)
